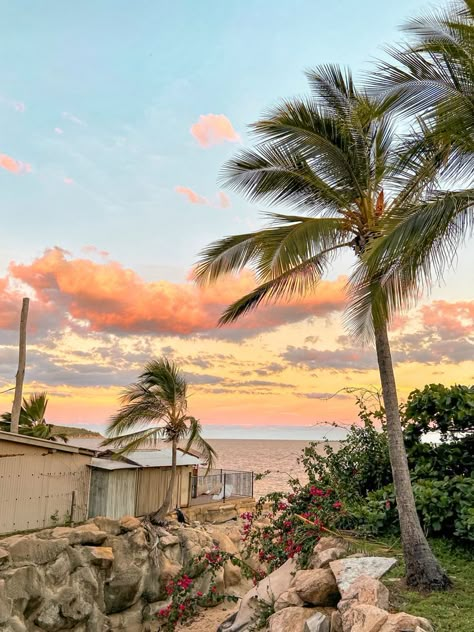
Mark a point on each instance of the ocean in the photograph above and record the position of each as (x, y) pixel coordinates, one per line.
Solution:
(255, 455)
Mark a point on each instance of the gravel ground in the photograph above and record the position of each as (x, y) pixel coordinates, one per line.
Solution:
(210, 619)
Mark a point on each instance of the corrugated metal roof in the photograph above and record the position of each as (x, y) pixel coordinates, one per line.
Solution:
(161, 458)
(109, 464)
(43, 443)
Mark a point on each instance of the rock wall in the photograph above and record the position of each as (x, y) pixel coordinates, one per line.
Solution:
(102, 576)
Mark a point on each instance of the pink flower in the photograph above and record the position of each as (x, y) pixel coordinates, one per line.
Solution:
(182, 607)
(315, 491)
(387, 505)
(337, 504)
(199, 593)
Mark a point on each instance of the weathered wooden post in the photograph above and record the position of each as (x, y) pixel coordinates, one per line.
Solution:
(20, 374)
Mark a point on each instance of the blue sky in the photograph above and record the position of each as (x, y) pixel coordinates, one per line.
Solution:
(138, 75)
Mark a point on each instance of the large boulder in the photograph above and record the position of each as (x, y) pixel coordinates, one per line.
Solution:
(65, 610)
(268, 589)
(329, 543)
(323, 558)
(289, 619)
(336, 622)
(129, 523)
(30, 550)
(222, 540)
(124, 589)
(319, 622)
(24, 586)
(101, 556)
(287, 599)
(5, 604)
(365, 590)
(15, 624)
(57, 573)
(347, 570)
(403, 622)
(83, 534)
(109, 525)
(232, 574)
(364, 618)
(4, 558)
(317, 587)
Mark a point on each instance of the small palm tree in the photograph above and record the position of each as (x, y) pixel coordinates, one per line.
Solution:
(334, 158)
(156, 408)
(32, 419)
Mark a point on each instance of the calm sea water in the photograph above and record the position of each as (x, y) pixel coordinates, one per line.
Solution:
(257, 455)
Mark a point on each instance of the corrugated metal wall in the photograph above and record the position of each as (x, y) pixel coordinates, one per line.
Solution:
(36, 487)
(112, 493)
(152, 485)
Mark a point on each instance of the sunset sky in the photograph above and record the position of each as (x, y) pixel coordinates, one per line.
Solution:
(116, 118)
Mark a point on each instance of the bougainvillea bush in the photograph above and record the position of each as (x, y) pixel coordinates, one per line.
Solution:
(284, 525)
(186, 600)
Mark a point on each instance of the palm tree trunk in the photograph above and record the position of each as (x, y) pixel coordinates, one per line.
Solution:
(422, 568)
(160, 515)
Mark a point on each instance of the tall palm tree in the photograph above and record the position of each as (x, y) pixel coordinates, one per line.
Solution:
(33, 419)
(432, 78)
(156, 408)
(333, 157)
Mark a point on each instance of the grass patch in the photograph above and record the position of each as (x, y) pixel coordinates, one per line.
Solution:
(451, 611)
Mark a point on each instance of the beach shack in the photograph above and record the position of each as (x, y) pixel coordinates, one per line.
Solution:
(42, 483)
(137, 484)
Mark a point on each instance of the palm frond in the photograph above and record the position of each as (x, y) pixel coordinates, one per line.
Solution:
(297, 281)
(126, 443)
(195, 438)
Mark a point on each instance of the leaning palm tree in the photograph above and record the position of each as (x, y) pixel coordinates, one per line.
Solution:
(432, 78)
(156, 408)
(33, 419)
(332, 157)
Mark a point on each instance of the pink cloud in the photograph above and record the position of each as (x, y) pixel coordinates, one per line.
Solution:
(214, 129)
(223, 200)
(14, 166)
(110, 297)
(450, 319)
(191, 195)
(19, 106)
(58, 130)
(68, 181)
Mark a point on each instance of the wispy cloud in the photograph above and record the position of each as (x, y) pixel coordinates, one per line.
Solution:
(14, 166)
(18, 106)
(192, 196)
(214, 129)
(73, 118)
(58, 130)
(68, 181)
(221, 199)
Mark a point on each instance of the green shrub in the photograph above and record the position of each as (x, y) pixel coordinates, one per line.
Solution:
(360, 465)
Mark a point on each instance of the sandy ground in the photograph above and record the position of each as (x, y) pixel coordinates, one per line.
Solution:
(211, 618)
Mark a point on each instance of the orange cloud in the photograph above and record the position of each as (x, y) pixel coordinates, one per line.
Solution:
(214, 129)
(12, 165)
(108, 297)
(449, 319)
(191, 195)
